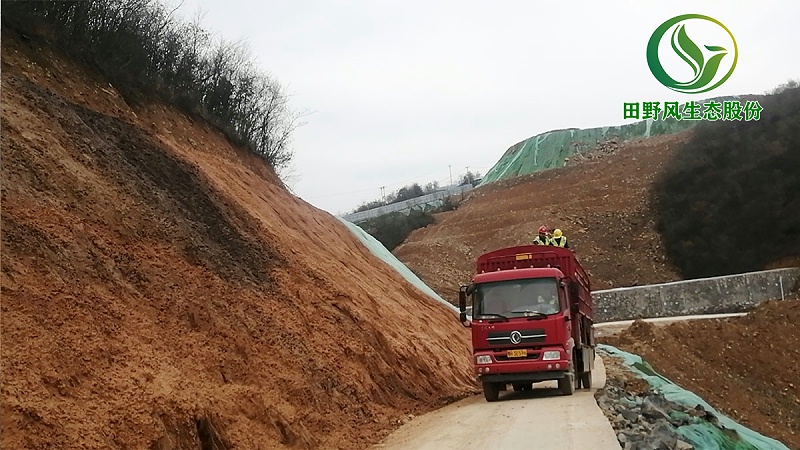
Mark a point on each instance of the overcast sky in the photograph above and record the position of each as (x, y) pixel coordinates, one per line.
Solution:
(398, 91)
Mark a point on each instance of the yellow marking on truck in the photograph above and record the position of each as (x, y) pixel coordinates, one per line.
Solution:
(523, 256)
(519, 353)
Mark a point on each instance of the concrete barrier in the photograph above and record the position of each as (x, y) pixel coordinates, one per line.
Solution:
(726, 294)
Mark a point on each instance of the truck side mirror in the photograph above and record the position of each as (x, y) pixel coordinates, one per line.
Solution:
(574, 289)
(462, 304)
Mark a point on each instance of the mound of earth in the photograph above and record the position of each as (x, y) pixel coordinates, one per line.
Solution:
(161, 290)
(746, 367)
(602, 201)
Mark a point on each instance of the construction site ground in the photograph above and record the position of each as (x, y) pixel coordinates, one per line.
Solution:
(162, 290)
(747, 367)
(601, 201)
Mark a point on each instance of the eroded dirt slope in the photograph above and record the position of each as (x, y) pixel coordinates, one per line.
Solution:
(603, 205)
(160, 290)
(747, 367)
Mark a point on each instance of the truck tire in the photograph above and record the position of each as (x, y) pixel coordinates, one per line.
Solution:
(586, 379)
(567, 384)
(491, 391)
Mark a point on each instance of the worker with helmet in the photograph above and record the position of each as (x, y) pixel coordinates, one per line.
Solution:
(542, 238)
(558, 239)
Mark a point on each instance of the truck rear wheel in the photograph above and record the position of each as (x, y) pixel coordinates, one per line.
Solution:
(567, 384)
(491, 391)
(586, 379)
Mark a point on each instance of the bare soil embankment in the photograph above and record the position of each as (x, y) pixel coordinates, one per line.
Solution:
(160, 289)
(747, 367)
(602, 203)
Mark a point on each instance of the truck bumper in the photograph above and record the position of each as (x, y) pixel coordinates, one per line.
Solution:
(522, 370)
(521, 377)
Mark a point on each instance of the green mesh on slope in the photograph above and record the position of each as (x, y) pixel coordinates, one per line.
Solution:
(548, 150)
(729, 435)
(381, 252)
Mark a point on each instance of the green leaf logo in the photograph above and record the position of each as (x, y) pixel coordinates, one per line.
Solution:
(704, 65)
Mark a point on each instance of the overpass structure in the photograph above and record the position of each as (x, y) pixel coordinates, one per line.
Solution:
(428, 200)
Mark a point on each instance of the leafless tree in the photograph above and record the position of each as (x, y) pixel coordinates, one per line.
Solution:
(146, 53)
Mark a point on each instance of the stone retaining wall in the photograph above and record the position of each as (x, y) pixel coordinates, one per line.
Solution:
(730, 293)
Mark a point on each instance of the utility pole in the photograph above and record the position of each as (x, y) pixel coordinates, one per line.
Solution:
(451, 174)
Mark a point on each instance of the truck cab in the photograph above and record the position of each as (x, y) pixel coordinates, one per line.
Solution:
(531, 320)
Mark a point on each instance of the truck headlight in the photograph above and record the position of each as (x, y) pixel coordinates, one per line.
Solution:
(483, 359)
(551, 355)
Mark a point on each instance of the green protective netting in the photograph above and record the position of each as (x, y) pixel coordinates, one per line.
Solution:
(383, 253)
(704, 435)
(549, 150)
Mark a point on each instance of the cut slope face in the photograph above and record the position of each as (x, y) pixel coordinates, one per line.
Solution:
(603, 205)
(160, 290)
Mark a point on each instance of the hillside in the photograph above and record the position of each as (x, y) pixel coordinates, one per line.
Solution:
(552, 149)
(161, 290)
(714, 200)
(603, 204)
(728, 202)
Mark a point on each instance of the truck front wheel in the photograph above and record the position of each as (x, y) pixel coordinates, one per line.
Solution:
(491, 391)
(567, 384)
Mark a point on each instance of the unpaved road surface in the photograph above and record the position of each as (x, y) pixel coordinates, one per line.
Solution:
(538, 419)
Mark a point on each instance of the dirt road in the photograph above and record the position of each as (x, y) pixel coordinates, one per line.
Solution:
(540, 419)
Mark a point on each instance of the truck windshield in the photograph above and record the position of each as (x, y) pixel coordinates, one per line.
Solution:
(517, 298)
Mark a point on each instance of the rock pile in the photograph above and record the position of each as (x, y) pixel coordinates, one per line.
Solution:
(646, 421)
(602, 149)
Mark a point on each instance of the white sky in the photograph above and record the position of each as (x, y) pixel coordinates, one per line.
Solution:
(398, 91)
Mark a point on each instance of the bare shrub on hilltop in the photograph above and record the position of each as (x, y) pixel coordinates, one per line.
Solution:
(146, 53)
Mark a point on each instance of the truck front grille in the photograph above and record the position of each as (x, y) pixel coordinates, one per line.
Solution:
(528, 336)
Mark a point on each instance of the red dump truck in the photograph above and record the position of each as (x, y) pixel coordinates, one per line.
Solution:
(531, 320)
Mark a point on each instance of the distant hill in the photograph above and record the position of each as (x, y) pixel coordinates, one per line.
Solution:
(550, 150)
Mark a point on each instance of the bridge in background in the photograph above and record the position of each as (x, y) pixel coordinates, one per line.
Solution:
(432, 199)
